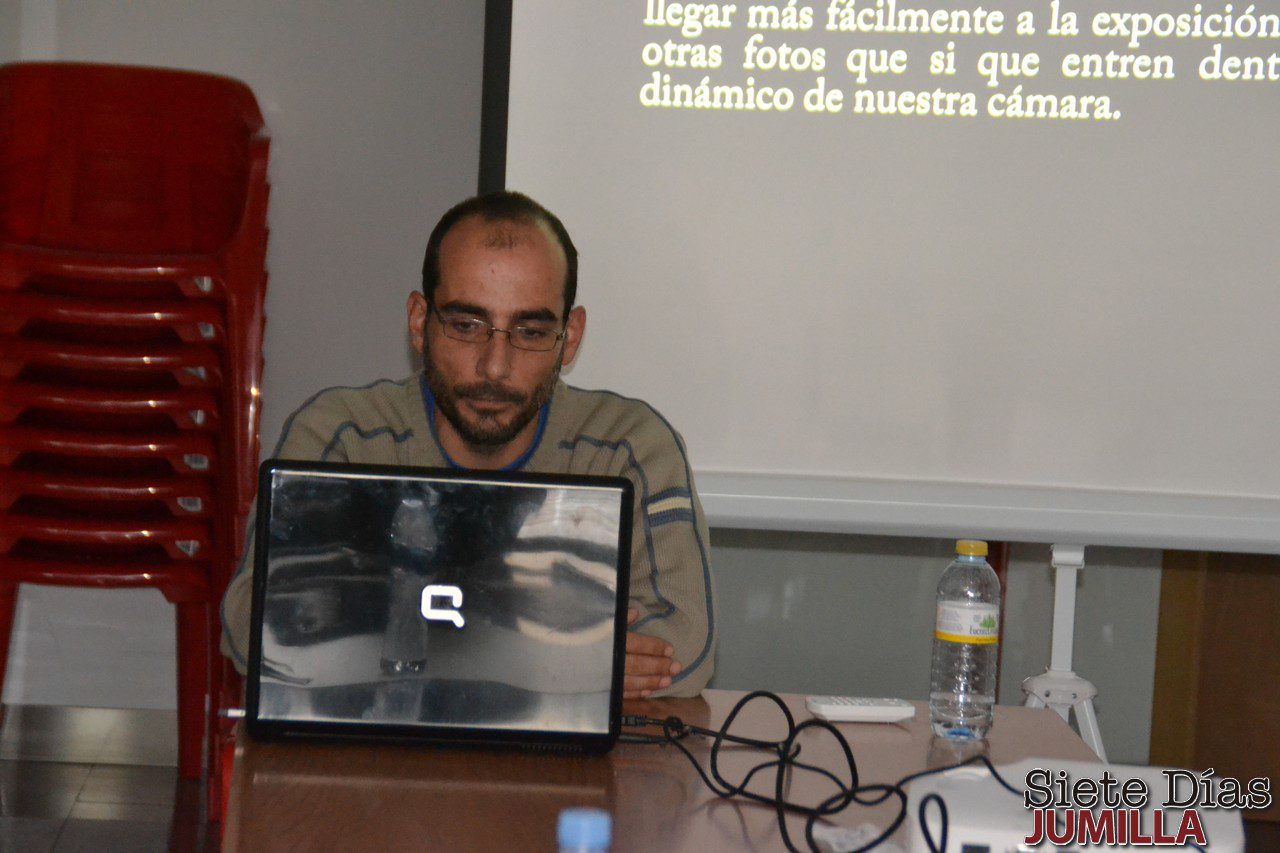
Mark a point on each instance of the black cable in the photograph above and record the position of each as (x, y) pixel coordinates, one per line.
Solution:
(685, 729)
(941, 846)
(675, 731)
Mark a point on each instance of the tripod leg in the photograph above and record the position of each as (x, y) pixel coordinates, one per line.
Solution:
(1089, 731)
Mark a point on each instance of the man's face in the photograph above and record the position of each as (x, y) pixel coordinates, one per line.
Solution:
(505, 274)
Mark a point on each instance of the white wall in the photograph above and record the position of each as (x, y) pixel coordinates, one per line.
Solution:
(374, 115)
(10, 36)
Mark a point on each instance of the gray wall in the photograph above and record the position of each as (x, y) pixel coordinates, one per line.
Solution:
(10, 35)
(818, 613)
(374, 115)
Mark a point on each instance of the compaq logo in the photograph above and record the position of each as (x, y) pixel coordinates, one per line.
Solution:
(442, 614)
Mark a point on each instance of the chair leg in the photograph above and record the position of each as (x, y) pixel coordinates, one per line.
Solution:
(221, 753)
(8, 606)
(221, 695)
(193, 685)
(212, 803)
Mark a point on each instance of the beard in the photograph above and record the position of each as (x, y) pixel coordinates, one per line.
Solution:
(487, 434)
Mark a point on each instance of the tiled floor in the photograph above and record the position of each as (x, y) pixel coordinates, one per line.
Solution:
(90, 779)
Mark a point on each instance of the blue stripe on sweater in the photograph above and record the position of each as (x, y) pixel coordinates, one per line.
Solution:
(245, 556)
(702, 548)
(366, 435)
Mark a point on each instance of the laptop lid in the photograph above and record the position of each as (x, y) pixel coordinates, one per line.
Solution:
(438, 605)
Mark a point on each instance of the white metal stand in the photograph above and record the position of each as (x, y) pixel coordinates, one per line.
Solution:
(1059, 687)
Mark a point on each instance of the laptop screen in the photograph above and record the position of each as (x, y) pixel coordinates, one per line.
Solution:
(418, 603)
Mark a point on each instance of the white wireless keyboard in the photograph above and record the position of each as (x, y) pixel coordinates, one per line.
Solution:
(857, 709)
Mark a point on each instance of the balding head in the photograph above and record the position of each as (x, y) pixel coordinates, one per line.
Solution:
(502, 211)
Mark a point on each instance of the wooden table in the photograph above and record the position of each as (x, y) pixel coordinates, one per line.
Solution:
(308, 796)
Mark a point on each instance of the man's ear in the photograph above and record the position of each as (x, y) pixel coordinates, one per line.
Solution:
(417, 311)
(574, 330)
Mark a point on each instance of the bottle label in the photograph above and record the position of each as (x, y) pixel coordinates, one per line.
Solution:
(968, 623)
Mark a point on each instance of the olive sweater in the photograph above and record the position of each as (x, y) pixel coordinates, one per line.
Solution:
(579, 432)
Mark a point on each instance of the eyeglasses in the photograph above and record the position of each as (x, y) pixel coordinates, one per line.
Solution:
(472, 330)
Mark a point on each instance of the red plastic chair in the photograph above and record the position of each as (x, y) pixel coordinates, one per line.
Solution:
(107, 408)
(178, 539)
(62, 451)
(185, 585)
(53, 320)
(52, 317)
(128, 161)
(181, 497)
(155, 532)
(132, 276)
(110, 364)
(124, 181)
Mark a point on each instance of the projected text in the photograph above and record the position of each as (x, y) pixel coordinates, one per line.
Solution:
(1055, 60)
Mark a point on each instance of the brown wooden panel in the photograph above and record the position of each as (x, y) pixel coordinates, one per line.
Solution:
(1217, 693)
(1238, 720)
(1177, 668)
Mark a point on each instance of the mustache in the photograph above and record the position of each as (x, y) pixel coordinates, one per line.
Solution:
(489, 392)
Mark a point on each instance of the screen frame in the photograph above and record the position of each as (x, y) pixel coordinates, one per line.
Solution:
(281, 729)
(495, 95)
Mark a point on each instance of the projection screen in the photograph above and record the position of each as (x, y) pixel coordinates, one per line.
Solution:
(1007, 269)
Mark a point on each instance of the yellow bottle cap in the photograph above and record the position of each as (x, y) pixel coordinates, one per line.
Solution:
(971, 547)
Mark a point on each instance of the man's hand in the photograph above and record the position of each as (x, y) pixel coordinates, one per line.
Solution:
(649, 664)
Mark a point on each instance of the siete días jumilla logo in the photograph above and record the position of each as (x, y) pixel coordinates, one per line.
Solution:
(1110, 811)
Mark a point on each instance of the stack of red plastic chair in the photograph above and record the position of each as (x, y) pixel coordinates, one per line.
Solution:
(132, 273)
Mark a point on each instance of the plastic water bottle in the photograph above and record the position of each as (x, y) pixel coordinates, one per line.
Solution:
(413, 547)
(584, 831)
(962, 686)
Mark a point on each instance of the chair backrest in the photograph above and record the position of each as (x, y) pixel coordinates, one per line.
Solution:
(105, 158)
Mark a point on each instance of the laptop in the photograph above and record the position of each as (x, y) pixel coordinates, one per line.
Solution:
(438, 606)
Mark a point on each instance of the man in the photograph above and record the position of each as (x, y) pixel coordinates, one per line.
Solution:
(494, 323)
